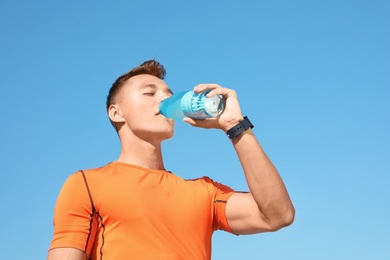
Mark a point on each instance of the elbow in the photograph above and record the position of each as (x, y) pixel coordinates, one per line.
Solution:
(285, 219)
(289, 217)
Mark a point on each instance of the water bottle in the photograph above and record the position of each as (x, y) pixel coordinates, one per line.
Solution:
(193, 105)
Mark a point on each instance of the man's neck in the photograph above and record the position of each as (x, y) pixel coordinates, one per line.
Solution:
(142, 154)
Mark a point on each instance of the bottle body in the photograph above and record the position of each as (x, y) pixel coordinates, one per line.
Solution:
(171, 107)
(193, 105)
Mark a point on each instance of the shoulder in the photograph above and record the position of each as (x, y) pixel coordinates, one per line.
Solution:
(91, 172)
(211, 183)
(79, 178)
(101, 169)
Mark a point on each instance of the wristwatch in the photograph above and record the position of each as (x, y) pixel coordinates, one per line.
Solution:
(239, 128)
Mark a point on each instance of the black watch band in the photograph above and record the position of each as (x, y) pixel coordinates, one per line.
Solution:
(239, 128)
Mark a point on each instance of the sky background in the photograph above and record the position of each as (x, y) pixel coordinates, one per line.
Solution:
(312, 76)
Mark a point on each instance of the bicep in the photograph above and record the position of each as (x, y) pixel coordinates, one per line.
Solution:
(66, 253)
(244, 216)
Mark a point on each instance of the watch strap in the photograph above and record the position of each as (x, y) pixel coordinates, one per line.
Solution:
(236, 130)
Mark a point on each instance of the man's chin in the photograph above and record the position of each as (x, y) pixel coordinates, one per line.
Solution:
(163, 135)
(168, 135)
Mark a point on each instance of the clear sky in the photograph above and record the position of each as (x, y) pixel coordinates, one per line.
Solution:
(312, 76)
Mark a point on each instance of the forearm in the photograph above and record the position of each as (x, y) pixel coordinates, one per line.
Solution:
(264, 181)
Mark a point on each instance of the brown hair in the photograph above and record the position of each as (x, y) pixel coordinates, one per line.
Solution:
(151, 67)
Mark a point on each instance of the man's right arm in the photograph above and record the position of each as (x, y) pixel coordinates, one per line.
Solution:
(66, 254)
(72, 221)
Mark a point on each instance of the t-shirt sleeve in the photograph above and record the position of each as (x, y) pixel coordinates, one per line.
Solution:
(72, 215)
(221, 196)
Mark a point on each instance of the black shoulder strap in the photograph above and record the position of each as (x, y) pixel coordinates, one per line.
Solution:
(89, 192)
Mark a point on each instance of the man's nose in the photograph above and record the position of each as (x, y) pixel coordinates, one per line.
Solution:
(165, 96)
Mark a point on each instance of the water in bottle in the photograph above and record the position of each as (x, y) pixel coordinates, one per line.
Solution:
(193, 105)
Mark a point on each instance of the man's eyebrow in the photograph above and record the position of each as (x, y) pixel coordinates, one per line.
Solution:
(151, 85)
(154, 86)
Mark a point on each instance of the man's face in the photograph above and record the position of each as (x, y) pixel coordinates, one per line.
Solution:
(139, 101)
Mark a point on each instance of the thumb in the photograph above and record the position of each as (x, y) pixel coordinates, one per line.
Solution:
(202, 123)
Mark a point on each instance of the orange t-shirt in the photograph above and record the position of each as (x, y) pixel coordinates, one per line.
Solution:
(141, 214)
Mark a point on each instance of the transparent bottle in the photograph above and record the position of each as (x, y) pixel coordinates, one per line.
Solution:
(193, 105)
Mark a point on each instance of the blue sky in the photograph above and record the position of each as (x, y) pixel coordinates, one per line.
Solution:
(313, 77)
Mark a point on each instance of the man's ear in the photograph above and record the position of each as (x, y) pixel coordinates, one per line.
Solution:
(115, 114)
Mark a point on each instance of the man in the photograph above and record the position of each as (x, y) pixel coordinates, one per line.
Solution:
(134, 209)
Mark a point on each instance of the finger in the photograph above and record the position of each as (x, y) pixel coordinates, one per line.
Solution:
(214, 90)
(203, 87)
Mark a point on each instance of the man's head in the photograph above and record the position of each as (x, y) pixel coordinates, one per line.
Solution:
(134, 97)
(151, 67)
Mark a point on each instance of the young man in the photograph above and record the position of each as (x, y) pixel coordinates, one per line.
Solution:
(133, 208)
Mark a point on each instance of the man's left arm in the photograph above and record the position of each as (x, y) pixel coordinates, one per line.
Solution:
(267, 207)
